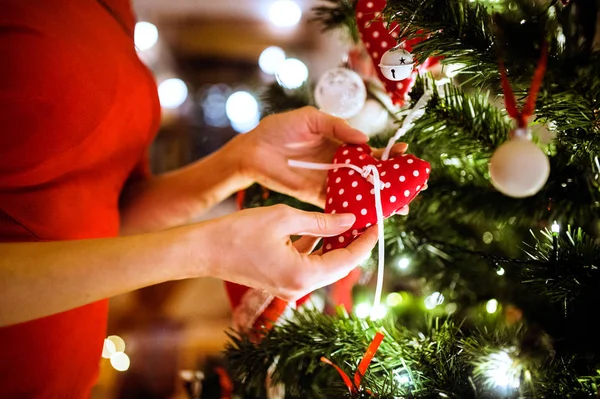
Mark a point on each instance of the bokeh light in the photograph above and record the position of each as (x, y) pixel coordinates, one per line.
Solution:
(284, 13)
(271, 59)
(292, 73)
(172, 93)
(243, 111)
(145, 35)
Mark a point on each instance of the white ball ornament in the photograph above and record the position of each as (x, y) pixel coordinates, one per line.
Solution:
(341, 92)
(372, 119)
(519, 168)
(396, 64)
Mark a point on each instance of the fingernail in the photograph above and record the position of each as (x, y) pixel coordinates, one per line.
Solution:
(345, 219)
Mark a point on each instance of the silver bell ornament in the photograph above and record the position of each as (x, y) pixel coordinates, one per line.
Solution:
(341, 92)
(519, 168)
(397, 64)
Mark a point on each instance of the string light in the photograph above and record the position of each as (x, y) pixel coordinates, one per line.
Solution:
(364, 310)
(118, 342)
(145, 35)
(172, 93)
(242, 110)
(108, 349)
(434, 300)
(555, 228)
(402, 377)
(284, 13)
(120, 361)
(292, 73)
(393, 299)
(378, 312)
(491, 306)
(403, 263)
(271, 59)
(499, 370)
(500, 271)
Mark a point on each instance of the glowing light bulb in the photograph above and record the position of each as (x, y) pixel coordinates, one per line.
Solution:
(403, 263)
(108, 349)
(555, 227)
(271, 59)
(242, 110)
(393, 299)
(172, 93)
(118, 343)
(500, 271)
(292, 73)
(145, 35)
(402, 377)
(362, 310)
(500, 370)
(378, 312)
(120, 361)
(491, 306)
(434, 300)
(284, 13)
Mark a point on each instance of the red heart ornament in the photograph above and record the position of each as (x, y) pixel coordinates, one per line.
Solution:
(402, 178)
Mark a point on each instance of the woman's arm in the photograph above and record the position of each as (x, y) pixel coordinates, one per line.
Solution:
(179, 197)
(258, 156)
(250, 247)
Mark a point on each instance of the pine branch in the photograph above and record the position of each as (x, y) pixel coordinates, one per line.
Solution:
(567, 271)
(276, 99)
(444, 360)
(337, 14)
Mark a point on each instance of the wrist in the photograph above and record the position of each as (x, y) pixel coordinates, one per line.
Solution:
(191, 248)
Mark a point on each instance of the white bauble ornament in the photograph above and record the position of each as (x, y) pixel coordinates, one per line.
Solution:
(341, 92)
(519, 168)
(372, 119)
(396, 64)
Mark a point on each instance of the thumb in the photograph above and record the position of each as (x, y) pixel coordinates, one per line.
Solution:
(317, 224)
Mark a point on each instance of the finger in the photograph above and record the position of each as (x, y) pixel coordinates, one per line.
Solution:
(330, 126)
(306, 244)
(339, 262)
(397, 149)
(297, 222)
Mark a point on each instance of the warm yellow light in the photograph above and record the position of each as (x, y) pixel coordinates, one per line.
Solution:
(120, 361)
(108, 349)
(491, 306)
(118, 342)
(393, 299)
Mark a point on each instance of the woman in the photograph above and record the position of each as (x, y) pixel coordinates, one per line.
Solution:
(78, 111)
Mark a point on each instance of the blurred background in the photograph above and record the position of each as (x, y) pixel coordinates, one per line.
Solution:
(211, 60)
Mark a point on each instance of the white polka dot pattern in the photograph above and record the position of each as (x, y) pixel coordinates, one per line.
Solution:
(378, 37)
(349, 192)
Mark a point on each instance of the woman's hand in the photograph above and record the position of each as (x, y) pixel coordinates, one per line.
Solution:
(253, 247)
(305, 134)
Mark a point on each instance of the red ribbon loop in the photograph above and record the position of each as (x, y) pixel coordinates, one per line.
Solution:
(362, 367)
(509, 98)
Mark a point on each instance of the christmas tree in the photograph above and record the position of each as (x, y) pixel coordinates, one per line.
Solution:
(491, 279)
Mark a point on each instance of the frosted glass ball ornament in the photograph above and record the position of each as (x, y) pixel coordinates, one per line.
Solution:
(519, 168)
(372, 119)
(341, 92)
(397, 64)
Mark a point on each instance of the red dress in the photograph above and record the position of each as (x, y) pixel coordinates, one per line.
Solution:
(78, 111)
